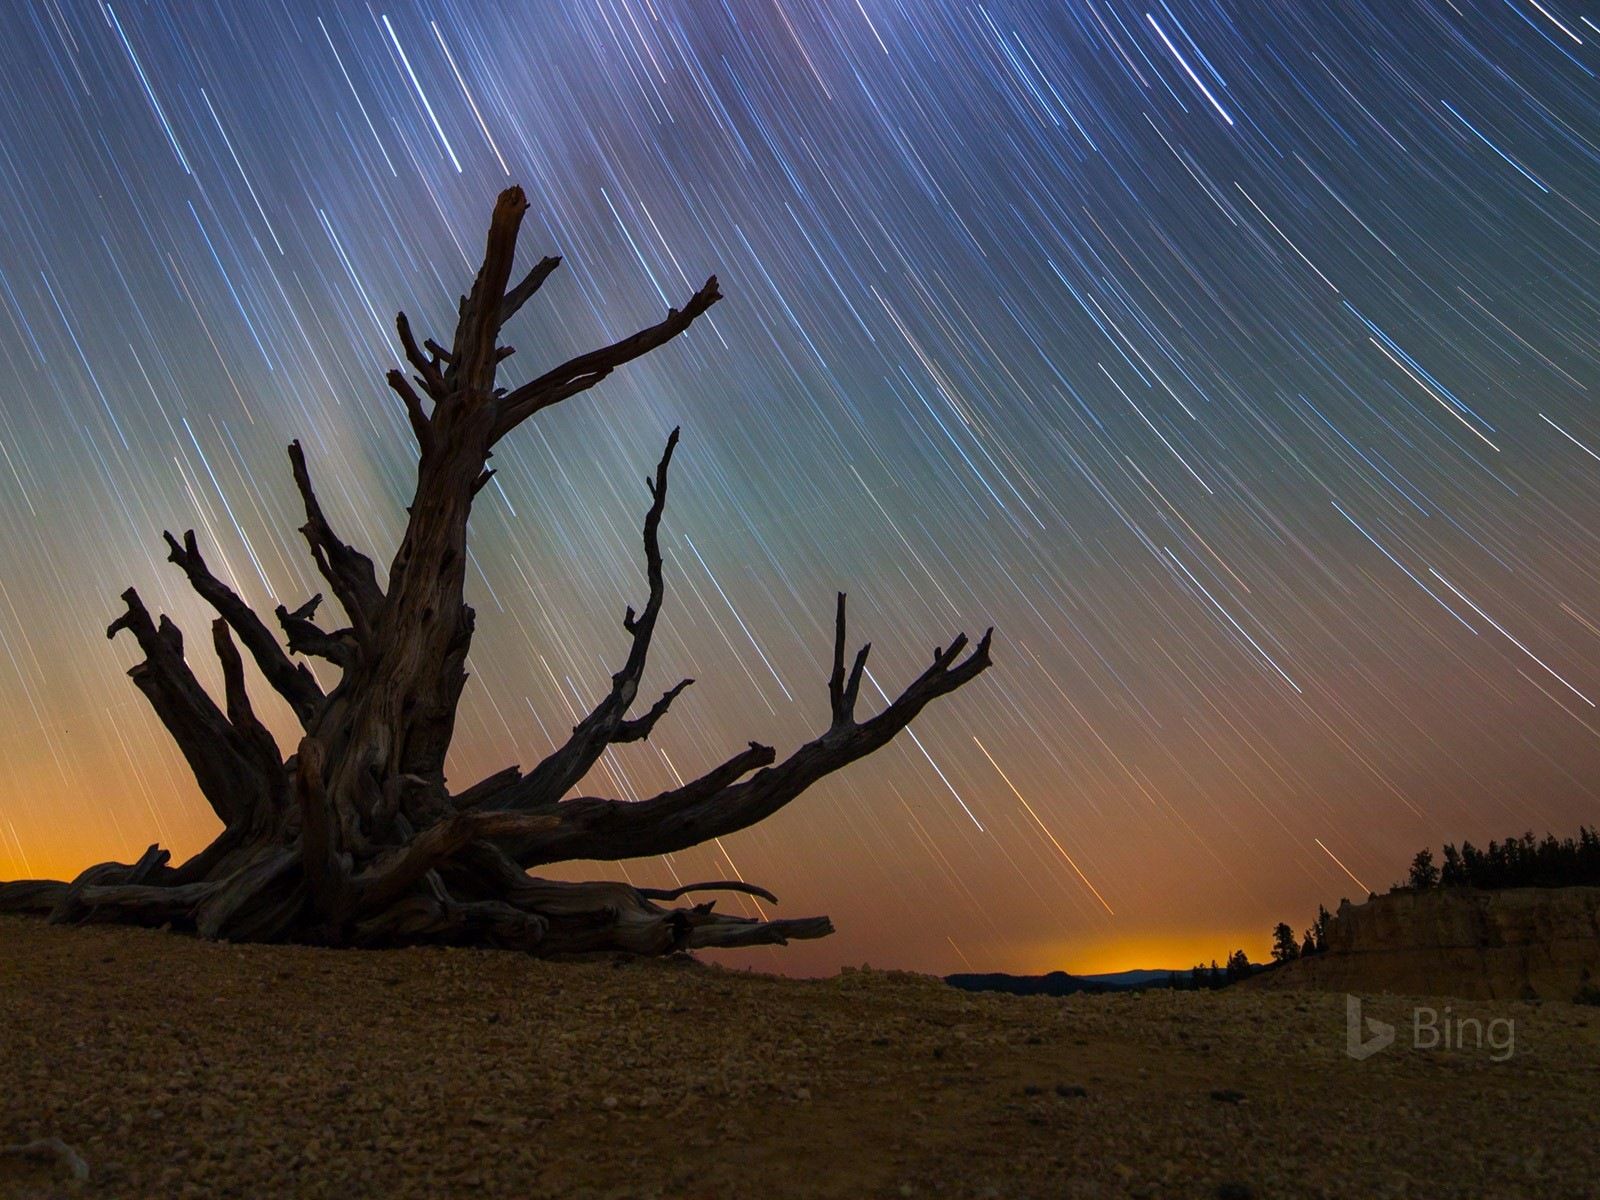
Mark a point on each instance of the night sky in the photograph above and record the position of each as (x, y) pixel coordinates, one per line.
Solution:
(1235, 361)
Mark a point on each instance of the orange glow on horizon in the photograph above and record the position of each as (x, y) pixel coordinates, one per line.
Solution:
(1177, 951)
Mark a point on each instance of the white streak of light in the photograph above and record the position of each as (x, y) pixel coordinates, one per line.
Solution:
(1047, 832)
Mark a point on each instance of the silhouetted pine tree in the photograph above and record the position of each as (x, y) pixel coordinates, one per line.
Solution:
(1424, 874)
(1284, 947)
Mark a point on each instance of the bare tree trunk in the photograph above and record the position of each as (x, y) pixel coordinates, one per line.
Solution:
(354, 839)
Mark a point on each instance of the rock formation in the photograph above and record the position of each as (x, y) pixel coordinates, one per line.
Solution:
(1516, 943)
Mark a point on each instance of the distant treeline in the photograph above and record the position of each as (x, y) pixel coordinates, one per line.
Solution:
(1201, 978)
(1524, 861)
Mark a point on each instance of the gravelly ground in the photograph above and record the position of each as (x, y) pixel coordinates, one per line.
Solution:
(179, 1068)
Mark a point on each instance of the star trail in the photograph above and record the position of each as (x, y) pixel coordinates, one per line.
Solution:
(1235, 361)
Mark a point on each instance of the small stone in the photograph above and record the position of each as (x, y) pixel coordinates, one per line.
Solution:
(609, 1103)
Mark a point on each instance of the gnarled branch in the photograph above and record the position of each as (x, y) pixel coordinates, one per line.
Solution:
(475, 795)
(348, 571)
(474, 353)
(421, 425)
(718, 803)
(727, 933)
(71, 905)
(225, 766)
(721, 885)
(145, 904)
(586, 370)
(304, 637)
(391, 875)
(427, 365)
(35, 896)
(607, 722)
(519, 295)
(638, 728)
(240, 715)
(289, 679)
(842, 694)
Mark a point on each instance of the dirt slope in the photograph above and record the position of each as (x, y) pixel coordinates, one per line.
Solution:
(179, 1068)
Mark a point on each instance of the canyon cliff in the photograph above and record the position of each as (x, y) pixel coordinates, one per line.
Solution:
(1511, 944)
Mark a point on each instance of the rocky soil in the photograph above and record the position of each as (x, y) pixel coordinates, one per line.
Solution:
(181, 1068)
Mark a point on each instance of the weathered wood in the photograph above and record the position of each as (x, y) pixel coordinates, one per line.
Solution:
(145, 904)
(356, 840)
(516, 297)
(252, 888)
(720, 885)
(222, 762)
(290, 680)
(348, 571)
(607, 723)
(72, 907)
(475, 795)
(427, 365)
(304, 637)
(430, 919)
(583, 372)
(240, 713)
(327, 872)
(731, 932)
(392, 874)
(36, 896)
(715, 805)
(421, 425)
(229, 850)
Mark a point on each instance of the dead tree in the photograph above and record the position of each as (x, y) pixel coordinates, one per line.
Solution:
(355, 839)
